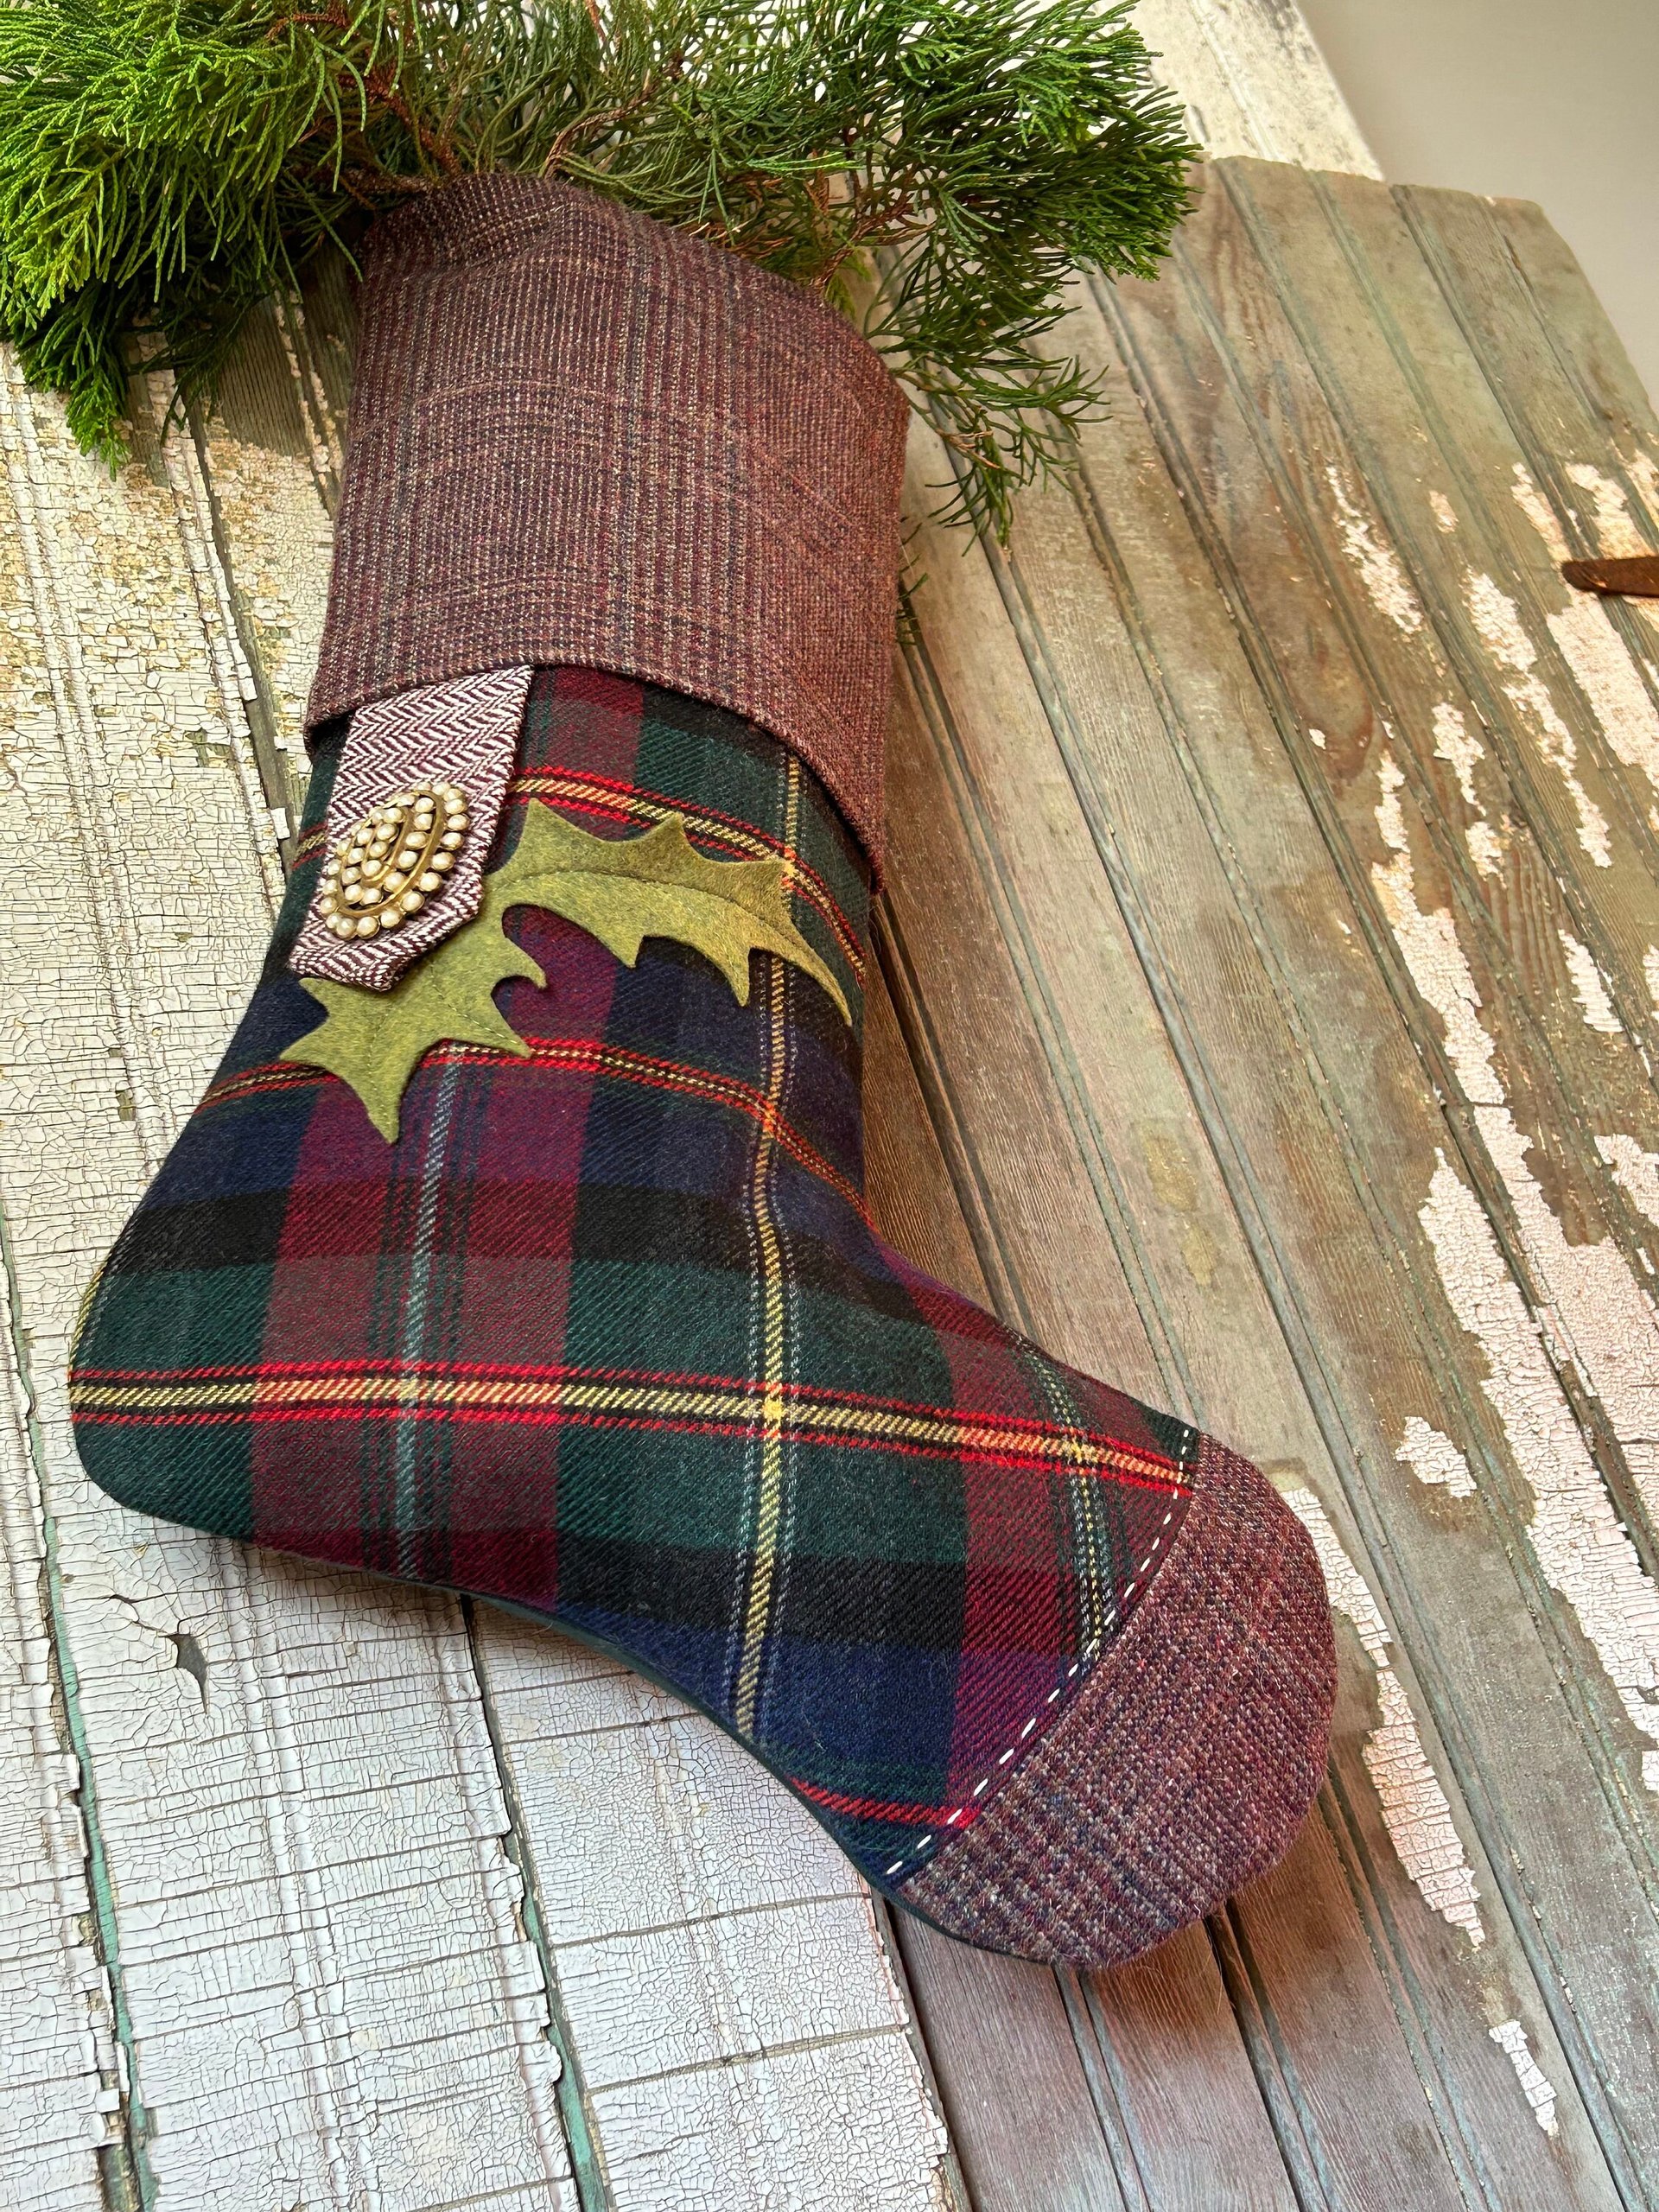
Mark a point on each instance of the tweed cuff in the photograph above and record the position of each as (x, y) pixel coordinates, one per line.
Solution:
(580, 438)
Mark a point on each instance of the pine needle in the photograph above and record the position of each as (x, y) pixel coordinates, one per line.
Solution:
(165, 164)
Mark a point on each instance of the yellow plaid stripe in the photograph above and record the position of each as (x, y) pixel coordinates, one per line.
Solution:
(801, 1414)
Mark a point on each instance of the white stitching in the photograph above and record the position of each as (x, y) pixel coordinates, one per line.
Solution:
(1091, 1653)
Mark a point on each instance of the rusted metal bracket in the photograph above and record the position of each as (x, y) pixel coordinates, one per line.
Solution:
(1637, 578)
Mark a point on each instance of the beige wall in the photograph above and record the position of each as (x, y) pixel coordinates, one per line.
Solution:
(1551, 100)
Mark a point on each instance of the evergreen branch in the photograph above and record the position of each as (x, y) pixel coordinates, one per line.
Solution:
(164, 164)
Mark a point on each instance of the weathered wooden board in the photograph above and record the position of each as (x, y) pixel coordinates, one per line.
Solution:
(1086, 1142)
(315, 1986)
(1269, 982)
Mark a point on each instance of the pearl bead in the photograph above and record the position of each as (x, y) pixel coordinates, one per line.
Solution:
(366, 925)
(430, 882)
(411, 902)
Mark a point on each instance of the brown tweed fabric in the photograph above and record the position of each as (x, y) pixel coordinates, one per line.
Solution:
(1187, 1766)
(580, 438)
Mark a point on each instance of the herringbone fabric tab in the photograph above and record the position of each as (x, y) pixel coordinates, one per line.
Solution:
(464, 733)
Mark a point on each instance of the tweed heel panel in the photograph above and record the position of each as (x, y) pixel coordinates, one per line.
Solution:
(1185, 1769)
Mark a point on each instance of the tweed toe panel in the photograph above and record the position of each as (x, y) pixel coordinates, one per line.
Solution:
(1187, 1766)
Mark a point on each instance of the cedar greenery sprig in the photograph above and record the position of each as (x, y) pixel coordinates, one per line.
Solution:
(165, 164)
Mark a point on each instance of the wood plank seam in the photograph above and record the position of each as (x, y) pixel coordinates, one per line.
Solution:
(1387, 1233)
(1489, 1113)
(281, 783)
(1454, 625)
(1380, 941)
(1091, 2040)
(1471, 908)
(1024, 623)
(1359, 1177)
(576, 2106)
(1639, 486)
(1115, 1208)
(78, 1870)
(1629, 1227)
(1448, 1721)
(1016, 934)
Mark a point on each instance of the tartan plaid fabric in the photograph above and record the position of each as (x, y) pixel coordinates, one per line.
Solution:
(606, 1335)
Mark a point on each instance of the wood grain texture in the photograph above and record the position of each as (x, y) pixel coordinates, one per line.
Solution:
(997, 866)
(1254, 82)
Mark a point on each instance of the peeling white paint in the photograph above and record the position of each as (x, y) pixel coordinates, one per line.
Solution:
(1617, 530)
(1589, 987)
(1651, 969)
(1635, 1171)
(1604, 671)
(1510, 2036)
(1445, 518)
(1378, 564)
(1487, 846)
(1538, 512)
(1318, 736)
(1456, 742)
(1642, 473)
(1430, 944)
(1499, 623)
(1414, 1807)
(1582, 1549)
(1433, 1457)
(1598, 1313)
(1587, 639)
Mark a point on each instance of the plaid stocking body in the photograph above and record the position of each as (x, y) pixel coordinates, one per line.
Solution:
(606, 1335)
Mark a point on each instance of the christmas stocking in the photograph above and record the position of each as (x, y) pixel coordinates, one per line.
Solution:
(518, 1245)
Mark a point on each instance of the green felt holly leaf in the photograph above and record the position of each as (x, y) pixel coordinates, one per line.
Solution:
(623, 890)
(375, 1039)
(619, 890)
